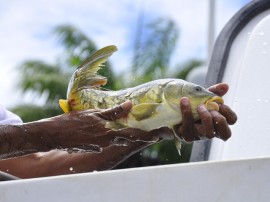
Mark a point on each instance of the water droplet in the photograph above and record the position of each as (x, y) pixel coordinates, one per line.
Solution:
(258, 99)
(120, 141)
(264, 52)
(154, 154)
(261, 33)
(7, 170)
(69, 151)
(71, 169)
(266, 101)
(264, 43)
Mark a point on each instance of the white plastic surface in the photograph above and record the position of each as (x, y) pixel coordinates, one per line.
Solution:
(248, 74)
(244, 180)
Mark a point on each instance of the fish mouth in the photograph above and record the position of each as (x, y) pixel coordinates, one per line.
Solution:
(213, 103)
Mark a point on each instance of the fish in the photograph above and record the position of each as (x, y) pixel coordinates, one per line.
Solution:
(155, 104)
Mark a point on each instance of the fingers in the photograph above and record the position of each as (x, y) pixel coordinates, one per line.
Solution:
(212, 124)
(219, 89)
(228, 113)
(222, 129)
(206, 121)
(117, 112)
(187, 125)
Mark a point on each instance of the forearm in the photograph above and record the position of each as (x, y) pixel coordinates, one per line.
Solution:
(60, 162)
(18, 140)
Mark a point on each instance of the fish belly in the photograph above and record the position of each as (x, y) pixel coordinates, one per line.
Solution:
(165, 116)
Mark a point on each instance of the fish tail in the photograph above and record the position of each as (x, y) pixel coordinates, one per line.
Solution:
(86, 76)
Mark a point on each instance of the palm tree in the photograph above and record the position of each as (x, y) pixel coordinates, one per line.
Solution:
(154, 50)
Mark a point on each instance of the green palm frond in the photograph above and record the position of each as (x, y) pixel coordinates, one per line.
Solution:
(77, 45)
(156, 46)
(31, 112)
(184, 69)
(38, 77)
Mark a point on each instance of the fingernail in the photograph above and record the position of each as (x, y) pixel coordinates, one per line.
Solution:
(185, 101)
(126, 105)
(202, 108)
(214, 113)
(212, 88)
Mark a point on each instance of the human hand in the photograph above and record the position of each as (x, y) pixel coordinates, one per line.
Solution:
(85, 129)
(211, 124)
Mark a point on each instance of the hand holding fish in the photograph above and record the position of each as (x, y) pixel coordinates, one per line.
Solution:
(91, 134)
(212, 123)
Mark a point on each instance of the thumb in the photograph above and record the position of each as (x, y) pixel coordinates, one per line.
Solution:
(219, 89)
(117, 112)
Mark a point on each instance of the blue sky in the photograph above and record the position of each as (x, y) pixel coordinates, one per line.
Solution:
(26, 30)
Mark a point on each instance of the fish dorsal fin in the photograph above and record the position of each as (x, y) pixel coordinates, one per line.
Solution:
(86, 73)
(144, 111)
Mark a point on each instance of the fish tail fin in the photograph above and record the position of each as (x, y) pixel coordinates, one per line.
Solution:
(86, 74)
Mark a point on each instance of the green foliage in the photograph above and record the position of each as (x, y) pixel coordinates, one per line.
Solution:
(30, 112)
(40, 77)
(158, 154)
(152, 57)
(186, 68)
(77, 45)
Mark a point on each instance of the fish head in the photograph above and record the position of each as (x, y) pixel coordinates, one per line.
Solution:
(200, 95)
(196, 94)
(173, 93)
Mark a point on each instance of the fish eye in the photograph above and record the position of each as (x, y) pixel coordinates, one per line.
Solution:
(198, 88)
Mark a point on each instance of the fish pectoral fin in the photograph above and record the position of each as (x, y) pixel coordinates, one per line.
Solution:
(144, 111)
(177, 141)
(114, 126)
(64, 105)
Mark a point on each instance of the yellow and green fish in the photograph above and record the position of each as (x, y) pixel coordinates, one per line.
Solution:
(155, 104)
